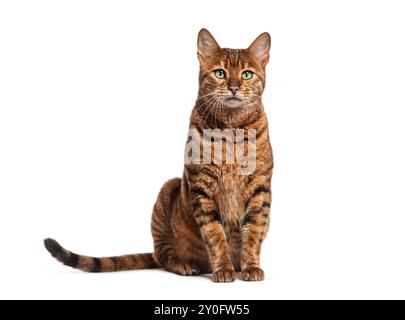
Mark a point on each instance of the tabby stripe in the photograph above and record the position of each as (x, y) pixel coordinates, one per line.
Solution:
(266, 204)
(212, 213)
(159, 241)
(203, 76)
(97, 265)
(116, 262)
(158, 227)
(199, 191)
(262, 80)
(265, 170)
(247, 219)
(260, 189)
(196, 171)
(203, 223)
(203, 183)
(249, 215)
(164, 253)
(254, 211)
(73, 260)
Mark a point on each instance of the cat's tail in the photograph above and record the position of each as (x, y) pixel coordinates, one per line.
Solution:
(106, 264)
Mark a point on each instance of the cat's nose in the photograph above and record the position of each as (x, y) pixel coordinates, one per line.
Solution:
(234, 89)
(233, 86)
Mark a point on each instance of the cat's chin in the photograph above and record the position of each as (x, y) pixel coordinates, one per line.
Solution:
(233, 103)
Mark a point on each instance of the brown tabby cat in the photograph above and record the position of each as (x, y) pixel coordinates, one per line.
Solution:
(214, 219)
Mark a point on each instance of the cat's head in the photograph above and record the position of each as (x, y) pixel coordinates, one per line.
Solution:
(231, 78)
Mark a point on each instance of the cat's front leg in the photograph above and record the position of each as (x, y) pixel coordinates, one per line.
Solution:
(209, 221)
(255, 227)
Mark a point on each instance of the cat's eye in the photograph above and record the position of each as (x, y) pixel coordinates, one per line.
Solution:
(220, 74)
(246, 75)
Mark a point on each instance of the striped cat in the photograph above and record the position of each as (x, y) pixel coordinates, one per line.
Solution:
(214, 218)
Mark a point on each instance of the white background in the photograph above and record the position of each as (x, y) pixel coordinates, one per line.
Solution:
(95, 98)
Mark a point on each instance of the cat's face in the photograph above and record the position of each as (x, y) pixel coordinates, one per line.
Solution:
(231, 78)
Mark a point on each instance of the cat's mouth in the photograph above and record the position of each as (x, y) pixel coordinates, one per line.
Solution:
(233, 98)
(233, 102)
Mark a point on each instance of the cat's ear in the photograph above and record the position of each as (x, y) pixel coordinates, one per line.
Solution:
(260, 49)
(207, 46)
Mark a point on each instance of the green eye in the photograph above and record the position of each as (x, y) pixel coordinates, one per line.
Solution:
(246, 75)
(220, 74)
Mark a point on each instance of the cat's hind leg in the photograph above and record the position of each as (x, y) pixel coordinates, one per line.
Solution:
(166, 252)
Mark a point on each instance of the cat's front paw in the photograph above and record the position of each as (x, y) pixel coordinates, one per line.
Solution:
(252, 274)
(224, 275)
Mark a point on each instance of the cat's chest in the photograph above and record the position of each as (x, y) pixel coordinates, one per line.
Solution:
(230, 195)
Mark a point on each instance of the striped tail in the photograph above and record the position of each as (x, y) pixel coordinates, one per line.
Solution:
(106, 264)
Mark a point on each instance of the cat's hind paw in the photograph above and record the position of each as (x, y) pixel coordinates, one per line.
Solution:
(183, 268)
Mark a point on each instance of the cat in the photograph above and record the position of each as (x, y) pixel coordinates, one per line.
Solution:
(213, 219)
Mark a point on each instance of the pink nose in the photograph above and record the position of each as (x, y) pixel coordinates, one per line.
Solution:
(234, 90)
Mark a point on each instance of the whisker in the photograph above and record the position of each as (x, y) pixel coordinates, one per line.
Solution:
(216, 112)
(206, 95)
(208, 108)
(206, 102)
